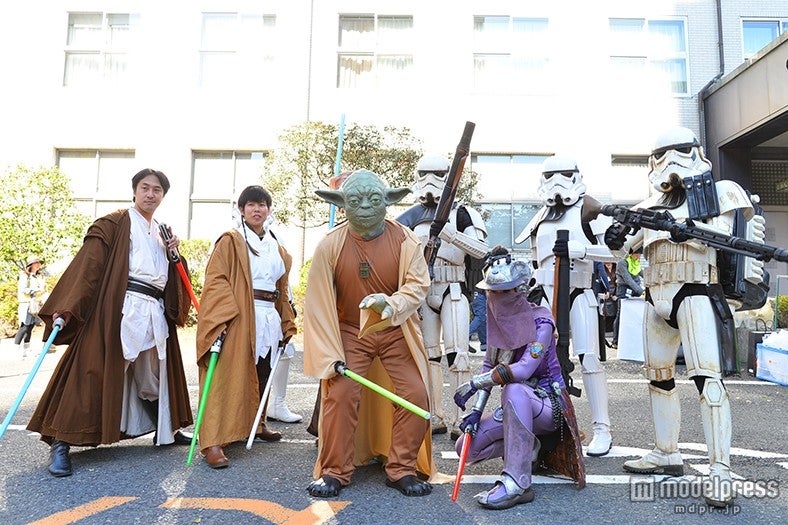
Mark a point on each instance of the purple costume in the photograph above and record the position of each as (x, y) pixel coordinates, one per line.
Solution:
(520, 336)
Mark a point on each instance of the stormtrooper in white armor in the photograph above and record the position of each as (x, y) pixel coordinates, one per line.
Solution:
(684, 303)
(562, 190)
(446, 311)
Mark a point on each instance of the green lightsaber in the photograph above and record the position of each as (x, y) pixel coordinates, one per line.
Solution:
(340, 367)
(204, 396)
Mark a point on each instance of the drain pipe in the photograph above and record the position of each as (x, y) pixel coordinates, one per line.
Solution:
(705, 89)
(309, 61)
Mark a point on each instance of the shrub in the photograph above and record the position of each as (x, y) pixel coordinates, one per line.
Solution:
(8, 306)
(299, 292)
(196, 253)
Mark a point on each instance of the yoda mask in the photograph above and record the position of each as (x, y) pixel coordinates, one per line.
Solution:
(364, 197)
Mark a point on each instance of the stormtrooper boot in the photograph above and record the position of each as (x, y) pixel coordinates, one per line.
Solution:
(665, 458)
(459, 373)
(277, 409)
(715, 411)
(595, 384)
(437, 418)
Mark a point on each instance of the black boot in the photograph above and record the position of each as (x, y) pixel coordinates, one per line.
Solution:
(59, 459)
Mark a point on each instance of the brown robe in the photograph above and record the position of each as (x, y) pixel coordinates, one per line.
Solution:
(83, 401)
(227, 304)
(323, 343)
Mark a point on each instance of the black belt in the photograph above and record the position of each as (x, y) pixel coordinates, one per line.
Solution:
(143, 288)
(265, 295)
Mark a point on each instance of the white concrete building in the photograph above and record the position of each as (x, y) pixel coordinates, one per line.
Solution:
(202, 89)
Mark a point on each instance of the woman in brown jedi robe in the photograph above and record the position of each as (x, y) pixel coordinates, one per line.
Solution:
(246, 298)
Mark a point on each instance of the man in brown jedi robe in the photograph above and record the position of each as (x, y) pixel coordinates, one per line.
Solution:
(246, 296)
(122, 374)
(367, 279)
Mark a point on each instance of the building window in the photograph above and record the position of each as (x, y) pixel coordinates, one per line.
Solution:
(217, 179)
(505, 222)
(758, 33)
(649, 53)
(510, 54)
(237, 49)
(97, 47)
(100, 179)
(507, 183)
(374, 51)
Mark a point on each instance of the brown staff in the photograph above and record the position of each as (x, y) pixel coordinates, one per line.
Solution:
(561, 308)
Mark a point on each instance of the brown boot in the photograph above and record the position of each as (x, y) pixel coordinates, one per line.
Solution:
(215, 457)
(267, 435)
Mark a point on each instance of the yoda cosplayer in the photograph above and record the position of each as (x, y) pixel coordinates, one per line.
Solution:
(367, 279)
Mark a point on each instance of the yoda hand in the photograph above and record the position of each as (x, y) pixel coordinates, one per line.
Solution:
(377, 302)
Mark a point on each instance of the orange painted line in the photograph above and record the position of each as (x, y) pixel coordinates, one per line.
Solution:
(318, 512)
(83, 511)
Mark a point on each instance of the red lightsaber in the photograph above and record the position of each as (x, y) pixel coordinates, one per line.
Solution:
(175, 257)
(466, 445)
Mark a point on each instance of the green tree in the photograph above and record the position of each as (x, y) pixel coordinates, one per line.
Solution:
(38, 218)
(306, 157)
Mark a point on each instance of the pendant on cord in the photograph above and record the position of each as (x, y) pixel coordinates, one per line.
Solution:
(363, 269)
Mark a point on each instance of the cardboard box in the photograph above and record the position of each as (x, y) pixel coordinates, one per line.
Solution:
(772, 364)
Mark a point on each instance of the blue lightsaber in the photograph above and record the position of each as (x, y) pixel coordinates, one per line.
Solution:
(59, 323)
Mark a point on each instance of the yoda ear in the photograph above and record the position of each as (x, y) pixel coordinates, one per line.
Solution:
(335, 197)
(396, 194)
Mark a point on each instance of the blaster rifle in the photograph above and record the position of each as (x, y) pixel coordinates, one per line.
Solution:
(447, 197)
(684, 231)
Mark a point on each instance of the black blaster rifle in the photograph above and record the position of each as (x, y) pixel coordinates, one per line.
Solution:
(447, 197)
(684, 231)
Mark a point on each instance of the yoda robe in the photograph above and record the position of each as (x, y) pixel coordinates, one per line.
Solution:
(83, 402)
(323, 345)
(228, 304)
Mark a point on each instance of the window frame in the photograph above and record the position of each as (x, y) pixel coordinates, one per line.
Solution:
(373, 76)
(249, 64)
(510, 55)
(237, 183)
(103, 196)
(782, 27)
(104, 49)
(648, 53)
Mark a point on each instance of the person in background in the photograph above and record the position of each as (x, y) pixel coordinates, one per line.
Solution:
(120, 300)
(31, 295)
(629, 279)
(479, 322)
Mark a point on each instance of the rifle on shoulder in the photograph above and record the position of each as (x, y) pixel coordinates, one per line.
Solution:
(447, 197)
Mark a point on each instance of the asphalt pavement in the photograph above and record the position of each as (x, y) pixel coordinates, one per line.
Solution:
(134, 482)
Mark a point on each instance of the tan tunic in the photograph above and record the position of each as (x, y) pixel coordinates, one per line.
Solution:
(323, 343)
(227, 303)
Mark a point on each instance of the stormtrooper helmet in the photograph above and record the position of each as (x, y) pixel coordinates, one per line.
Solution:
(504, 273)
(676, 154)
(431, 172)
(561, 182)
